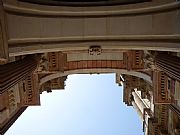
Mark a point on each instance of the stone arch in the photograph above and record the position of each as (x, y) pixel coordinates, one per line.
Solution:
(62, 28)
(102, 70)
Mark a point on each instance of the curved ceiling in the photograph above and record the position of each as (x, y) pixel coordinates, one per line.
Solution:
(83, 2)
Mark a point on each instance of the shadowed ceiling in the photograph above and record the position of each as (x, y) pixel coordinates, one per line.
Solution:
(83, 2)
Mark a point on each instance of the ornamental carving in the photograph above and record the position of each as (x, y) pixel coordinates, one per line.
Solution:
(149, 60)
(43, 64)
(94, 50)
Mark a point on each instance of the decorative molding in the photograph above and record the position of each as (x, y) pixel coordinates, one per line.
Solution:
(87, 3)
(50, 12)
(3, 37)
(95, 50)
(42, 64)
(95, 70)
(134, 42)
(149, 60)
(69, 39)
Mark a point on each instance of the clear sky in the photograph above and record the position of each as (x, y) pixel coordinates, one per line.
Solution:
(89, 105)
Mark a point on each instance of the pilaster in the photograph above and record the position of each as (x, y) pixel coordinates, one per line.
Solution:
(139, 102)
(12, 73)
(3, 36)
(137, 110)
(169, 64)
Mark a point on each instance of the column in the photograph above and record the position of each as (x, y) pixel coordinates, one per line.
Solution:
(137, 110)
(3, 37)
(174, 108)
(11, 120)
(169, 64)
(12, 73)
(139, 102)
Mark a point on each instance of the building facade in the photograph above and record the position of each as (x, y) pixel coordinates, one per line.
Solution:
(41, 43)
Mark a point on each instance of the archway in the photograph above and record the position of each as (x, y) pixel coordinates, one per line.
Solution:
(90, 104)
(138, 40)
(97, 71)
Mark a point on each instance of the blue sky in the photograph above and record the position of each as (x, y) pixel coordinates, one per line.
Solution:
(89, 105)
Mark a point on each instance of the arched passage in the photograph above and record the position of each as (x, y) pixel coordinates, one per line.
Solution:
(42, 28)
(154, 25)
(86, 104)
(88, 71)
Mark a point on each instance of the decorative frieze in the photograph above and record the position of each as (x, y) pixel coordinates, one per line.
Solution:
(160, 88)
(56, 61)
(133, 60)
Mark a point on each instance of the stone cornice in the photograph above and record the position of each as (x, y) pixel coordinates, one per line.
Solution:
(49, 12)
